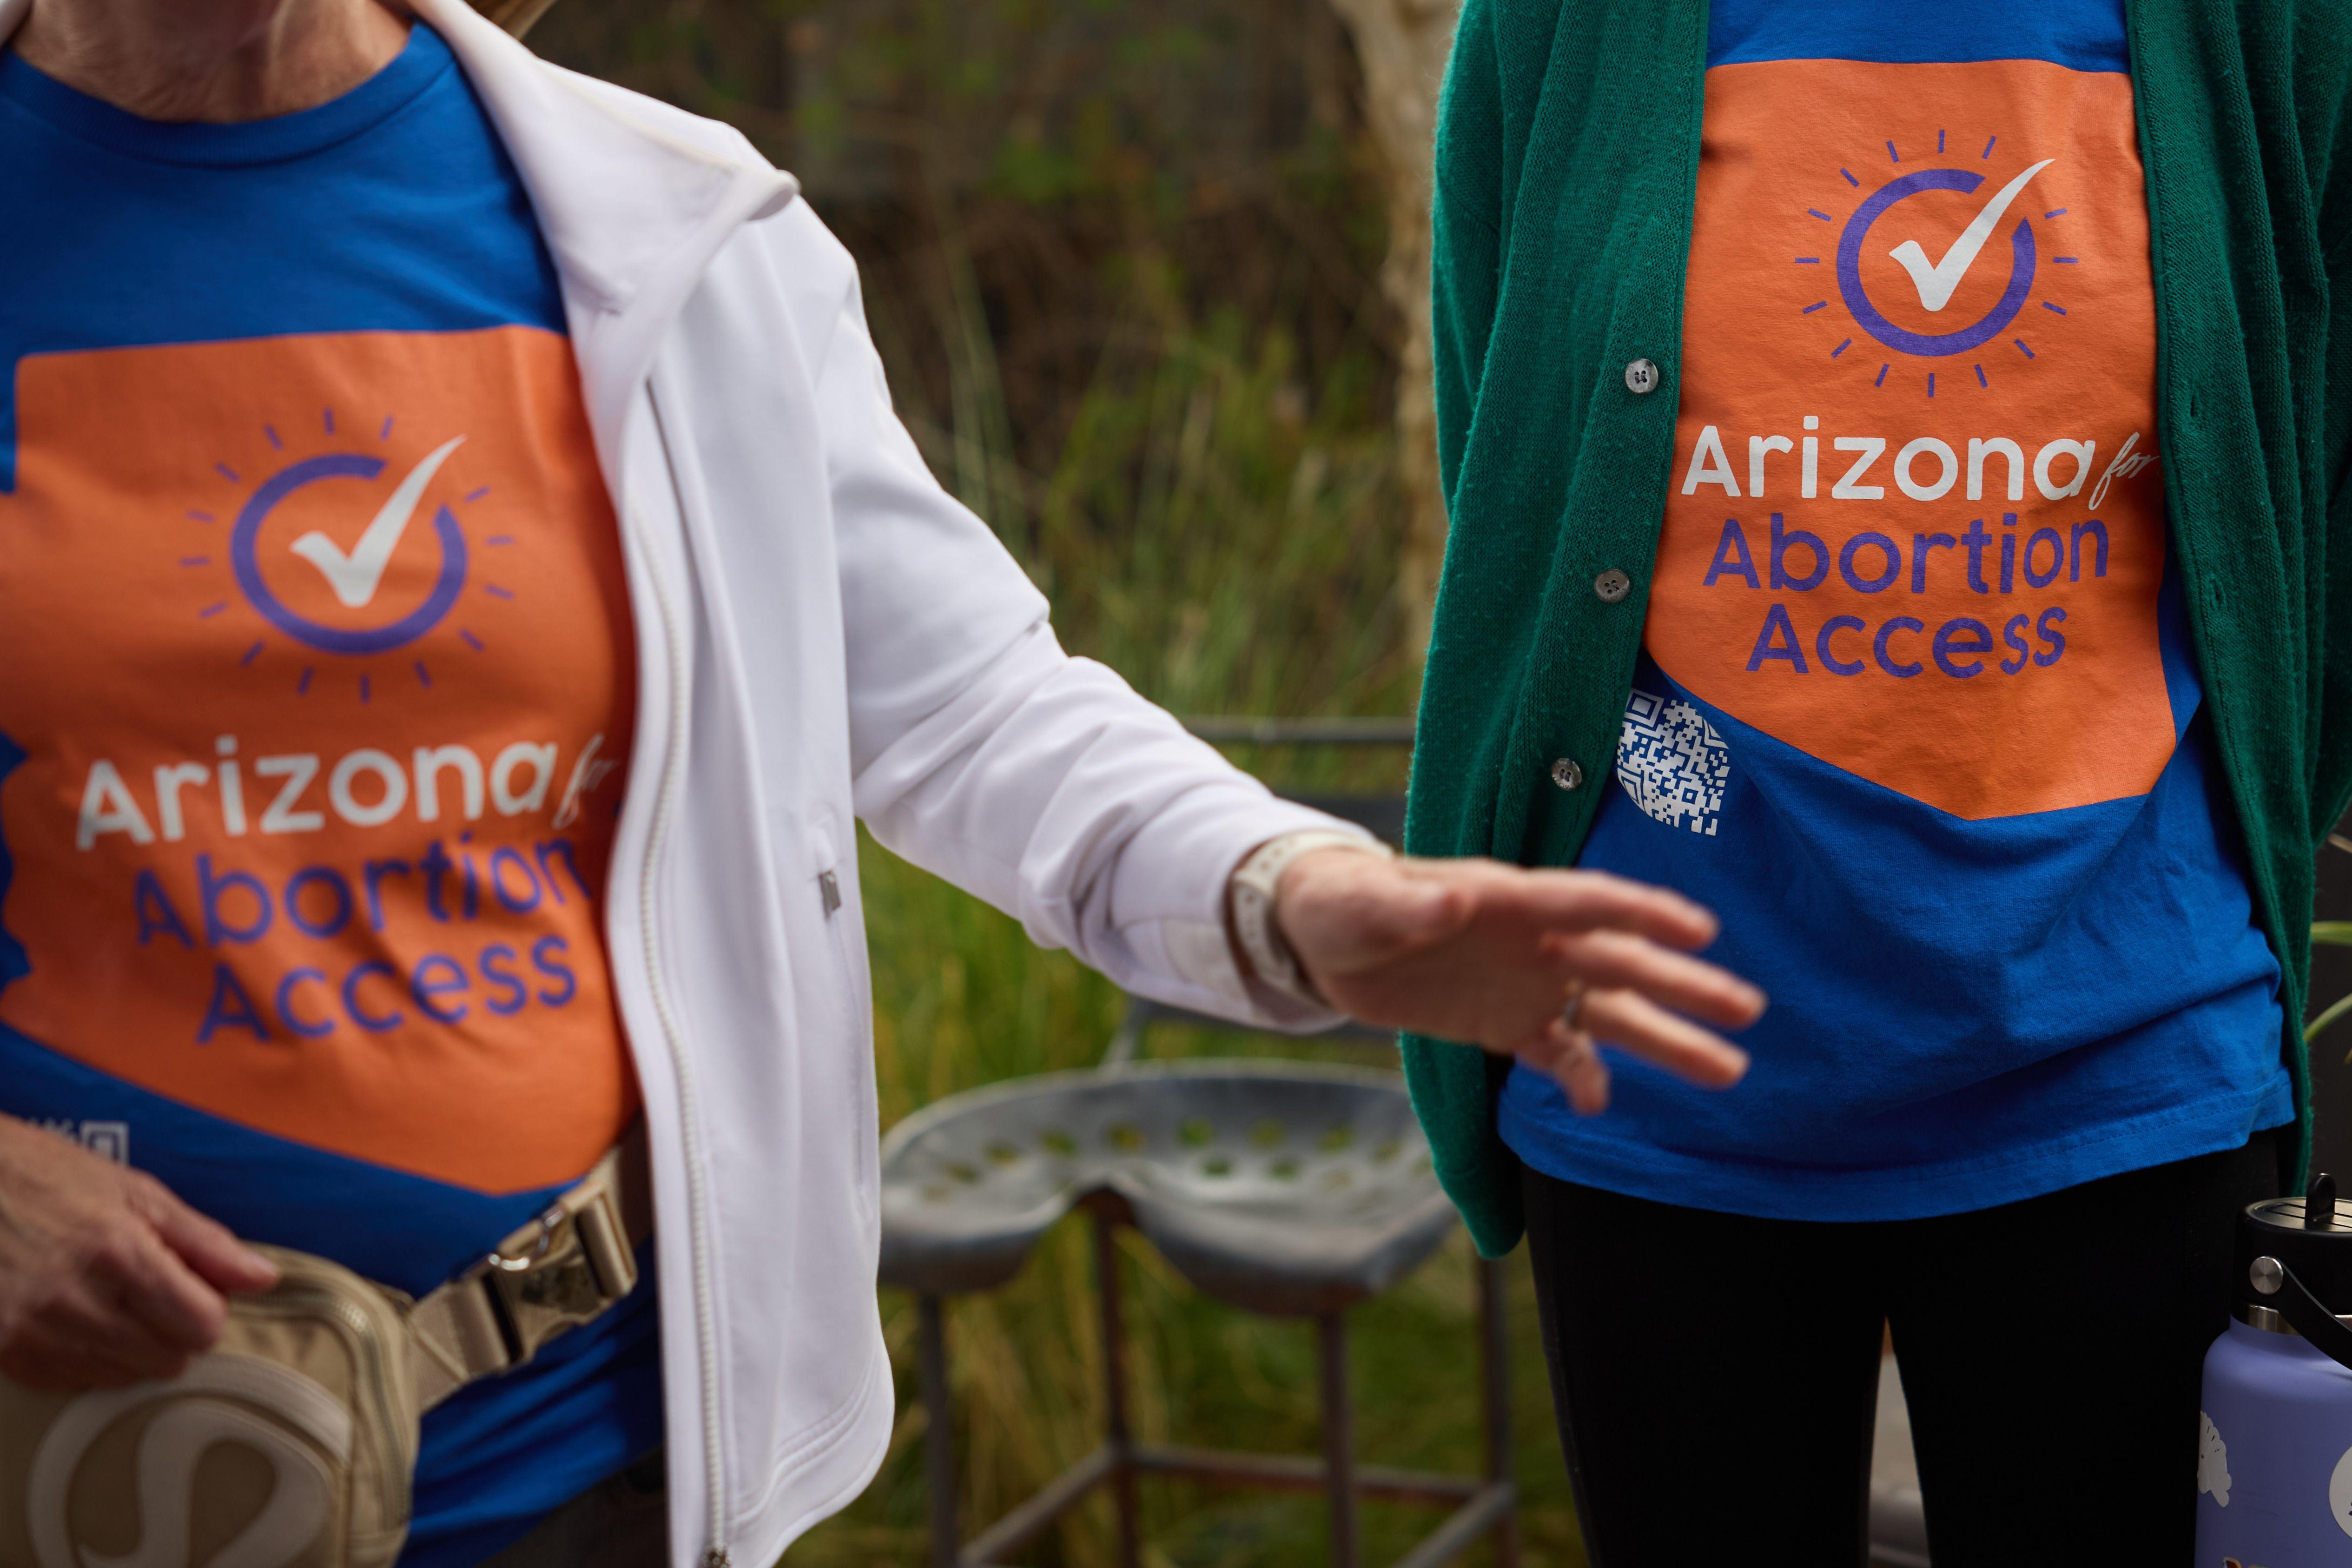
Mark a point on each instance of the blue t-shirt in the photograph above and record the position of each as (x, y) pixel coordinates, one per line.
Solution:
(1916, 712)
(316, 670)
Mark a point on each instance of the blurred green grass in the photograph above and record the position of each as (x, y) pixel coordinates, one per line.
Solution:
(1250, 569)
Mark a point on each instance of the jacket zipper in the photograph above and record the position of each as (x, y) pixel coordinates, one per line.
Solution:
(715, 1554)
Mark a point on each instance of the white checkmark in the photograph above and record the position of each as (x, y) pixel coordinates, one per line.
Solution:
(1937, 283)
(355, 577)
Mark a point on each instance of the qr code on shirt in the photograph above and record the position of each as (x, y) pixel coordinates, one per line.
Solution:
(1673, 764)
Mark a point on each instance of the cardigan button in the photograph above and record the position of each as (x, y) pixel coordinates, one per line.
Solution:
(1567, 773)
(1642, 376)
(1613, 586)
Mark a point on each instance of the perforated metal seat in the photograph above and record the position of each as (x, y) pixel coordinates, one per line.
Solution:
(1286, 1188)
(1293, 1189)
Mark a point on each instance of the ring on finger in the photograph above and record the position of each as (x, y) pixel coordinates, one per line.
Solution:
(1571, 1011)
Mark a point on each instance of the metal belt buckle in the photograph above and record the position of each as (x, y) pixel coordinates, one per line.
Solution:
(507, 1263)
(501, 1274)
(577, 1284)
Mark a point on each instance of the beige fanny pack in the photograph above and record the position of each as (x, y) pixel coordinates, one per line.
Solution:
(292, 1443)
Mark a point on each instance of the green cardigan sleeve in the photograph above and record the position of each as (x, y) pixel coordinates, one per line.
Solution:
(1466, 242)
(1452, 1084)
(2324, 54)
(1567, 155)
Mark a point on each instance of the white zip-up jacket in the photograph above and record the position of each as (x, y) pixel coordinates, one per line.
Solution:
(823, 635)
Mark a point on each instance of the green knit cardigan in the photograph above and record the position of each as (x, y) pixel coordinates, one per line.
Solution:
(1567, 165)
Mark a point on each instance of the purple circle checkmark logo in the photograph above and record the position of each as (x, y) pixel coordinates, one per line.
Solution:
(243, 559)
(1857, 298)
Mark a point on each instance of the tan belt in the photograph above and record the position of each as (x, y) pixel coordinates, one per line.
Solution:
(564, 1269)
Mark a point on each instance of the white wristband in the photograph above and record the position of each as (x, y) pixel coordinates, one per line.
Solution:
(1252, 895)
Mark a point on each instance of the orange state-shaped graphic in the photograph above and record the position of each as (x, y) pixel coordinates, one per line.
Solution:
(320, 668)
(1916, 528)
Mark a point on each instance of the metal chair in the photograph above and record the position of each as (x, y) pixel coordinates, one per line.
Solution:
(1288, 1189)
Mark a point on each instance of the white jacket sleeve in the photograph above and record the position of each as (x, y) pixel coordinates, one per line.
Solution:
(982, 752)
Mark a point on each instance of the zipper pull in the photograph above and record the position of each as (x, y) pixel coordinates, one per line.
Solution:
(829, 889)
(716, 1557)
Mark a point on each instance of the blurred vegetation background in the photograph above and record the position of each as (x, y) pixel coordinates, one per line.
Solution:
(1125, 262)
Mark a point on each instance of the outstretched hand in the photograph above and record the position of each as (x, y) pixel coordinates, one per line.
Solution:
(1494, 955)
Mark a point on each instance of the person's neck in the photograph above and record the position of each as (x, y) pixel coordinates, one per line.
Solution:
(216, 60)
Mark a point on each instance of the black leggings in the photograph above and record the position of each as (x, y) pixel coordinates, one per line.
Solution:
(1716, 1376)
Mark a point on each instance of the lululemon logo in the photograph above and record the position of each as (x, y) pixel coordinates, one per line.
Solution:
(296, 1427)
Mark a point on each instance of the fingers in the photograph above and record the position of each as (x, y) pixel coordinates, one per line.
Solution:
(204, 1245)
(1628, 1019)
(1592, 900)
(1573, 1061)
(166, 1299)
(1617, 961)
(1571, 1058)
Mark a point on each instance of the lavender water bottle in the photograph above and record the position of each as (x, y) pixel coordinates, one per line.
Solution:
(2275, 1456)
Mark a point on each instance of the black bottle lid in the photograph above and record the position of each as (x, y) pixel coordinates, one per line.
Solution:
(2310, 1238)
